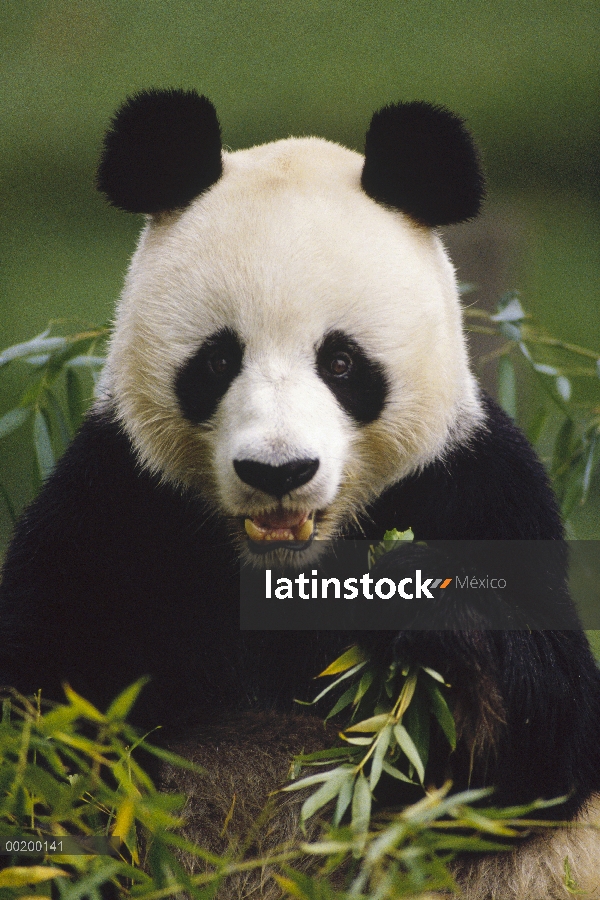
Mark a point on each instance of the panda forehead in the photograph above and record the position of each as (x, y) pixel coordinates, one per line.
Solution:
(288, 244)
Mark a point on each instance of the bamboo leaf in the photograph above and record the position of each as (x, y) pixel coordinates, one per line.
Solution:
(326, 792)
(75, 405)
(374, 723)
(417, 723)
(563, 386)
(396, 773)
(343, 801)
(40, 344)
(120, 708)
(358, 741)
(435, 675)
(330, 687)
(43, 445)
(407, 745)
(349, 658)
(361, 805)
(509, 309)
(507, 386)
(315, 779)
(63, 428)
(345, 700)
(441, 712)
(589, 464)
(19, 876)
(12, 420)
(383, 742)
(83, 707)
(564, 444)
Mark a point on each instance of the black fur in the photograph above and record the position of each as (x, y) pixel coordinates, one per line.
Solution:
(420, 158)
(112, 575)
(163, 149)
(362, 388)
(205, 378)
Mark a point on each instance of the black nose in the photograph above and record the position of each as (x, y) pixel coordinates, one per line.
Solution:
(276, 480)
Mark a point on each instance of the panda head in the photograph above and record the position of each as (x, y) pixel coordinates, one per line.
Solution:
(289, 342)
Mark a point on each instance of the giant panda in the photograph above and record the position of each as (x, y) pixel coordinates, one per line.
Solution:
(288, 365)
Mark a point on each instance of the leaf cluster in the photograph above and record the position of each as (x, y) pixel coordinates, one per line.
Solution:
(57, 396)
(565, 424)
(399, 704)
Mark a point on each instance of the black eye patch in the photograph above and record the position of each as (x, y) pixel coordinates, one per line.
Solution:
(205, 378)
(358, 383)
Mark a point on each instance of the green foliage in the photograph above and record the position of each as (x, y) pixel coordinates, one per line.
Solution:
(54, 401)
(398, 704)
(69, 771)
(564, 421)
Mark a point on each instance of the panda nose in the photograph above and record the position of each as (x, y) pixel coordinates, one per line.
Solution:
(276, 480)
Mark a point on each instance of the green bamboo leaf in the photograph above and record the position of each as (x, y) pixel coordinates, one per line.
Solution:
(343, 801)
(563, 386)
(361, 805)
(326, 792)
(589, 464)
(63, 428)
(358, 741)
(374, 723)
(345, 700)
(417, 723)
(313, 779)
(330, 687)
(534, 432)
(86, 361)
(363, 686)
(12, 420)
(396, 773)
(20, 876)
(407, 746)
(435, 675)
(40, 344)
(509, 309)
(564, 444)
(507, 386)
(82, 706)
(349, 658)
(441, 711)
(43, 445)
(543, 369)
(383, 742)
(120, 708)
(75, 404)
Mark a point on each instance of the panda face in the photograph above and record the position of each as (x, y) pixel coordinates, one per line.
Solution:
(288, 347)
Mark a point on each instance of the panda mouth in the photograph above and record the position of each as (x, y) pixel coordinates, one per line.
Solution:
(280, 525)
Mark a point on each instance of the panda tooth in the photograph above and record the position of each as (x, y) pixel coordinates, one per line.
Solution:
(254, 533)
(305, 531)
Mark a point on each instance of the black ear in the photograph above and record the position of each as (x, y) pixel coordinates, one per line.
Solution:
(163, 149)
(421, 159)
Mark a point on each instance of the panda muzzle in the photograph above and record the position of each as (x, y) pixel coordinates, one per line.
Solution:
(280, 525)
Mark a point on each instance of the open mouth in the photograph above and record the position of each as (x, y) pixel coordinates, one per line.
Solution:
(280, 525)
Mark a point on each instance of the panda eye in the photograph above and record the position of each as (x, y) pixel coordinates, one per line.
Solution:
(206, 376)
(357, 381)
(219, 363)
(340, 365)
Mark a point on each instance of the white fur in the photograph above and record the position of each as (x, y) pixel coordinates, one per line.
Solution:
(284, 248)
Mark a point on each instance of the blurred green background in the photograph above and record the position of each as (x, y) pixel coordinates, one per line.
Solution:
(524, 74)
